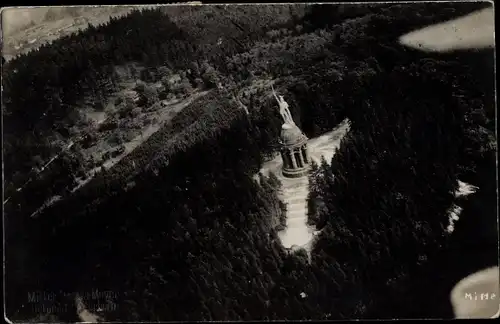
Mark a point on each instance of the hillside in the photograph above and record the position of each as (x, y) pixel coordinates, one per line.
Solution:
(27, 29)
(179, 229)
(90, 85)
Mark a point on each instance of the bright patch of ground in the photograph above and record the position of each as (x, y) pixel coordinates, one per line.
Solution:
(464, 189)
(21, 38)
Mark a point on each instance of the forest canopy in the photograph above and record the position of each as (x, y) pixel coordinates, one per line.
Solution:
(181, 230)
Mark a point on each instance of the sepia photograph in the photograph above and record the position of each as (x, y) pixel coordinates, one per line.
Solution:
(249, 162)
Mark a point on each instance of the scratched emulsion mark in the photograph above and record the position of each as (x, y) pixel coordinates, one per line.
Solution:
(475, 30)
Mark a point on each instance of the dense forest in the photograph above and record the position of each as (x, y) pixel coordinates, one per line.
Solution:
(179, 230)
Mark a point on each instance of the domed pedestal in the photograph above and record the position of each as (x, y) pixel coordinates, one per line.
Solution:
(294, 152)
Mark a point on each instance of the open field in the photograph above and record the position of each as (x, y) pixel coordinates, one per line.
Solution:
(27, 29)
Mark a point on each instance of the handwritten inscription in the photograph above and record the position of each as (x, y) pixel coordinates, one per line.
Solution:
(480, 296)
(47, 302)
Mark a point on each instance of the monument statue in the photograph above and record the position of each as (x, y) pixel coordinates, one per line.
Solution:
(284, 111)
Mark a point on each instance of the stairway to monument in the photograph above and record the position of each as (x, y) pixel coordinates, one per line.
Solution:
(295, 190)
(294, 195)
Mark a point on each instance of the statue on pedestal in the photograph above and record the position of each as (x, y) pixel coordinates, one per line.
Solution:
(284, 111)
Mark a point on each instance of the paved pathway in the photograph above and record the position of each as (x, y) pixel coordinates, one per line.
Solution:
(295, 191)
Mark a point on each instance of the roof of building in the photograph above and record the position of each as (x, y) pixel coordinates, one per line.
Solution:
(291, 135)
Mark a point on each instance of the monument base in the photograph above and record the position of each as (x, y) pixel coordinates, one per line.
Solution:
(295, 173)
